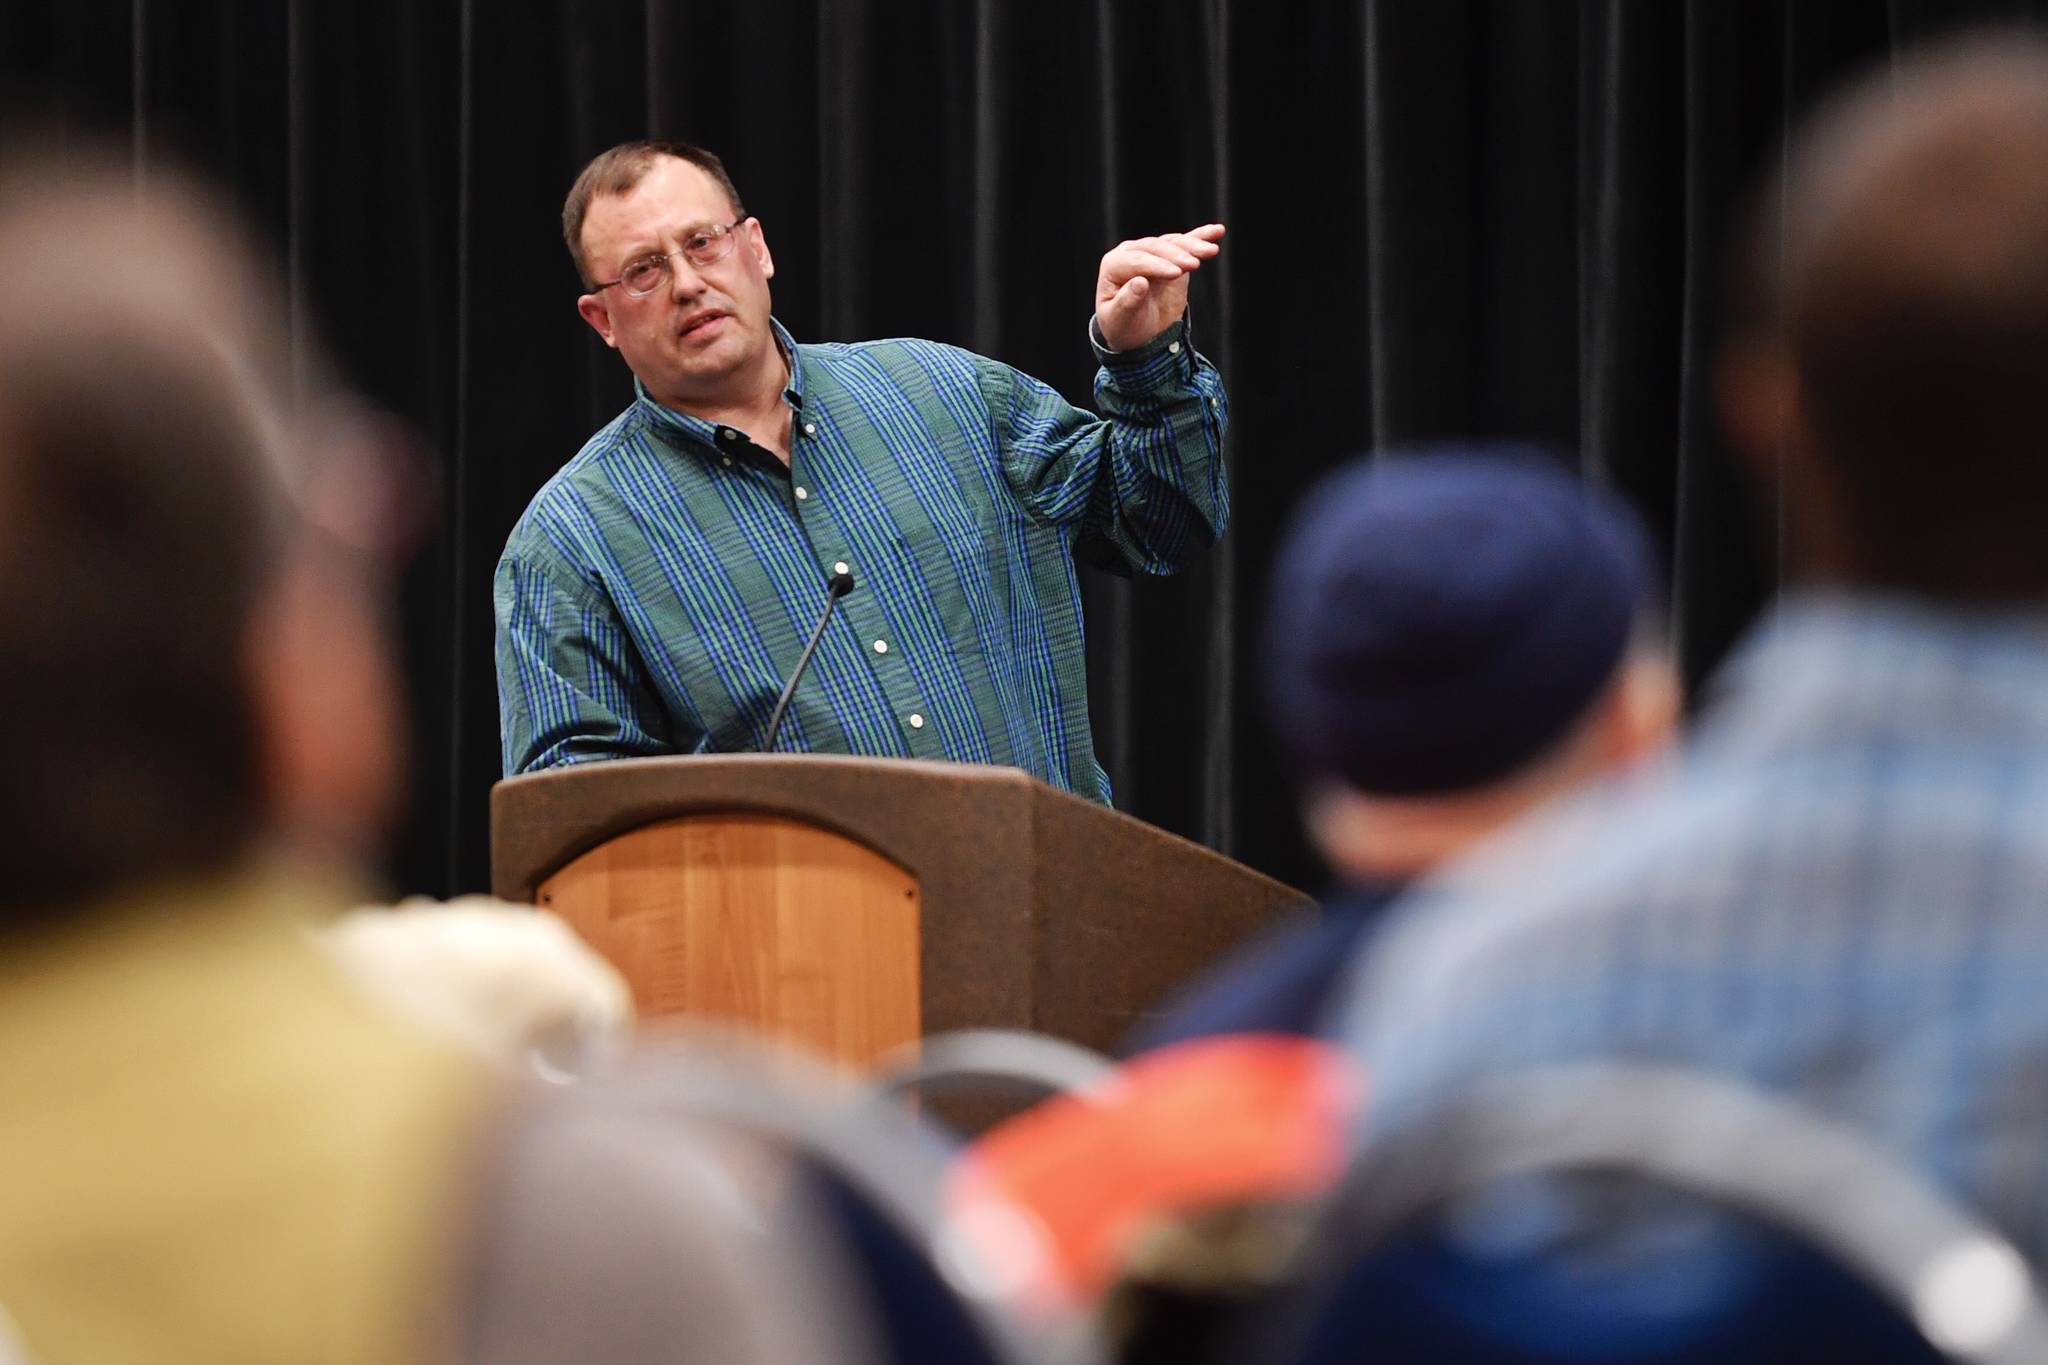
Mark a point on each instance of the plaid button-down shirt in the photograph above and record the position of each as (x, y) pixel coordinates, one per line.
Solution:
(1839, 893)
(656, 594)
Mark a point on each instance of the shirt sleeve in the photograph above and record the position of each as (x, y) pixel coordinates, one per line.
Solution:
(1147, 476)
(570, 686)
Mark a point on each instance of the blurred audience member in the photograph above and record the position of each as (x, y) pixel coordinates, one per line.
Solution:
(1454, 638)
(1842, 893)
(216, 1149)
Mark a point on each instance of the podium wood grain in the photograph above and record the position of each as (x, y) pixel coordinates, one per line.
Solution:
(757, 919)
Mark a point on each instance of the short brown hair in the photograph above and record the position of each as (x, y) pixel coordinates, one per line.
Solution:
(1901, 262)
(145, 507)
(617, 170)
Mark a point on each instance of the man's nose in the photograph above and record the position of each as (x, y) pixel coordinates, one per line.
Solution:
(683, 280)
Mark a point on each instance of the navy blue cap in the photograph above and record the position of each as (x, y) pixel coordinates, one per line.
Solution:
(1440, 617)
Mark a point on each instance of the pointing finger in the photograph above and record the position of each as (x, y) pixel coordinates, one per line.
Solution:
(1171, 249)
(1202, 247)
(1122, 264)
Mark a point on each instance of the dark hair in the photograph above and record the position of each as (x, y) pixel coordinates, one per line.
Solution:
(617, 170)
(1901, 262)
(142, 507)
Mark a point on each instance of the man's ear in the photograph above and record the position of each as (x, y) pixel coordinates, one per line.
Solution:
(1756, 392)
(757, 242)
(1648, 706)
(592, 310)
(1333, 818)
(325, 698)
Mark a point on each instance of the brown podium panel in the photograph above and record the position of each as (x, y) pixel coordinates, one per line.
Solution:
(1036, 909)
(755, 919)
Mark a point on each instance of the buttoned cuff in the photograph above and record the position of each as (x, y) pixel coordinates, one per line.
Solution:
(1166, 360)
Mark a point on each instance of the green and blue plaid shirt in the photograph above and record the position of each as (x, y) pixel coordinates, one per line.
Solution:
(660, 587)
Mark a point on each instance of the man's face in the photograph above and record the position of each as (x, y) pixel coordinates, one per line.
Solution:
(700, 338)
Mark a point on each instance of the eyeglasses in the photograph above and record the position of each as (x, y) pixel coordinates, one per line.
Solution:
(706, 246)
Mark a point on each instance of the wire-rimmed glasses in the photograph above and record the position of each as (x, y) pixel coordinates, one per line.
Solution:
(705, 246)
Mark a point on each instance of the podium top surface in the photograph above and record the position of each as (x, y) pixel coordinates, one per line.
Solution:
(918, 812)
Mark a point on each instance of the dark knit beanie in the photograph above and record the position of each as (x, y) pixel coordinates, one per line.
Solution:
(1440, 617)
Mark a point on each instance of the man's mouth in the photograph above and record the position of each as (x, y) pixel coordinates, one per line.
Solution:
(702, 324)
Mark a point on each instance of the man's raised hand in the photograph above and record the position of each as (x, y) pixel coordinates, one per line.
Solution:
(1142, 288)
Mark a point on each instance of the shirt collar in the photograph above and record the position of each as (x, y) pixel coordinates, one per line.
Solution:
(705, 432)
(794, 393)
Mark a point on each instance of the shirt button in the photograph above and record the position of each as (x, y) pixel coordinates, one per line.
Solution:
(840, 567)
(881, 646)
(810, 428)
(1173, 348)
(802, 493)
(725, 460)
(729, 434)
(916, 721)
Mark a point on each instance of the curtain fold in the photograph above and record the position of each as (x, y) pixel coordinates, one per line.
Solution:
(1469, 218)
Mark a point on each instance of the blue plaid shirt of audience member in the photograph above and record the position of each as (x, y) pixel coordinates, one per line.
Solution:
(1839, 892)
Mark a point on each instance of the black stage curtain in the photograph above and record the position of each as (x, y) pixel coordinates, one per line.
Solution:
(1447, 218)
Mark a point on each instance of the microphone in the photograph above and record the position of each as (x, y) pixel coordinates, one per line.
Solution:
(836, 587)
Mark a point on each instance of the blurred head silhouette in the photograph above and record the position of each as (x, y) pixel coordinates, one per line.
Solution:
(1454, 636)
(193, 658)
(1888, 364)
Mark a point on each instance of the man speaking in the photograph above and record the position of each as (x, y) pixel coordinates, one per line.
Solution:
(658, 593)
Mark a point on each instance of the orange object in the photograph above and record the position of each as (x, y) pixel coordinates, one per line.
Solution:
(1254, 1118)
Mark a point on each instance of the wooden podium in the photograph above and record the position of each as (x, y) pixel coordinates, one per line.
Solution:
(857, 904)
